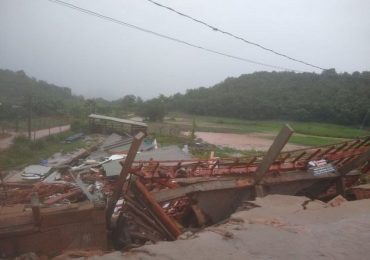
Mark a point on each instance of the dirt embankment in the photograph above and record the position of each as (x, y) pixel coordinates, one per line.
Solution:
(252, 141)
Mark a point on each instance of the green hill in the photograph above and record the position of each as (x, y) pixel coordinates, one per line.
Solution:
(327, 97)
(19, 93)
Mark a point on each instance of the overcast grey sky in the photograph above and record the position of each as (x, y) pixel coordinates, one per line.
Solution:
(97, 58)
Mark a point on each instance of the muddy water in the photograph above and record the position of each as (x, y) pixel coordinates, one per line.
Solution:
(251, 141)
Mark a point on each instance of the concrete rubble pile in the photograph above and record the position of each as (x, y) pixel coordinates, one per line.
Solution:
(276, 227)
(119, 201)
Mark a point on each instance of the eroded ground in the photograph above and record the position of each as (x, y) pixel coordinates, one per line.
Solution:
(279, 229)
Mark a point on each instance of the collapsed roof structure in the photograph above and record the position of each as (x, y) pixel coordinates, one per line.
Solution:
(108, 124)
(153, 200)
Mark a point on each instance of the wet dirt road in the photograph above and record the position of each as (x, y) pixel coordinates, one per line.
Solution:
(7, 141)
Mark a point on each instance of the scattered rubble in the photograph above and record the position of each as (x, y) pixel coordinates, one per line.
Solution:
(149, 196)
(278, 228)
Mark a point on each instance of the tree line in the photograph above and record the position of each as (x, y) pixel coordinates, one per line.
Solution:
(327, 97)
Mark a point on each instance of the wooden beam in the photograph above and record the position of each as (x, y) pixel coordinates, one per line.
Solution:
(356, 163)
(299, 157)
(126, 166)
(311, 156)
(273, 152)
(363, 142)
(161, 214)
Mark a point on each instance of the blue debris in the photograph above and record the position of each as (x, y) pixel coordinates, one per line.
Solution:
(44, 162)
(74, 138)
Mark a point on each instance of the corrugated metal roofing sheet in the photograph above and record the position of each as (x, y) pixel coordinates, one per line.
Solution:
(119, 120)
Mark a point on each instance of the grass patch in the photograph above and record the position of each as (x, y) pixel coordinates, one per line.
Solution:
(222, 152)
(308, 140)
(328, 130)
(164, 140)
(232, 125)
(24, 152)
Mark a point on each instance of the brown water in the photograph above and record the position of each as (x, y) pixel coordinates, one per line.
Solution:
(251, 141)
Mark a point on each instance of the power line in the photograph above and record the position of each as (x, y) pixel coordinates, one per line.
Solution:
(214, 28)
(120, 22)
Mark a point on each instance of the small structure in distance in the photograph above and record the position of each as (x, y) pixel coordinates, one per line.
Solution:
(107, 124)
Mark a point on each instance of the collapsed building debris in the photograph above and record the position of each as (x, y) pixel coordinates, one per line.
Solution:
(107, 124)
(278, 227)
(155, 200)
(198, 192)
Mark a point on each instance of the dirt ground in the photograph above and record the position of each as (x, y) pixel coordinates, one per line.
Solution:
(8, 140)
(252, 141)
(279, 229)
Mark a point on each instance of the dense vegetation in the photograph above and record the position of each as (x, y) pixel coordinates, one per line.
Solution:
(21, 96)
(326, 97)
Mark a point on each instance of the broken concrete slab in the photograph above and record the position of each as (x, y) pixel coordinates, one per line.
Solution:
(37, 170)
(329, 233)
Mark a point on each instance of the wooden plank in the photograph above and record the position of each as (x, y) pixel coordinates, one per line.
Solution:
(117, 192)
(170, 194)
(356, 163)
(273, 152)
(164, 218)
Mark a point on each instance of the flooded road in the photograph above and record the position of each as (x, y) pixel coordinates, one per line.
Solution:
(252, 141)
(38, 134)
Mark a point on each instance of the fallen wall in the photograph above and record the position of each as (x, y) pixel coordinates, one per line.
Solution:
(79, 226)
